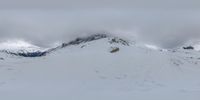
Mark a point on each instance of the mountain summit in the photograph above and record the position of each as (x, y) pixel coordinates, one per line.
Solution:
(24, 49)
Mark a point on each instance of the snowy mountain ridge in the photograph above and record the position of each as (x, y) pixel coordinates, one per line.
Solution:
(25, 49)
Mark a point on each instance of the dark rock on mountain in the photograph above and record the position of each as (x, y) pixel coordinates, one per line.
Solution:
(118, 40)
(189, 47)
(27, 54)
(32, 54)
(85, 39)
(114, 49)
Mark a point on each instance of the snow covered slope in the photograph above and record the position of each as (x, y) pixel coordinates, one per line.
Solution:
(90, 71)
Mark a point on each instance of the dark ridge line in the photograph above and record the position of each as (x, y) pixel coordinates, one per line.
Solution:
(85, 39)
(79, 40)
(27, 54)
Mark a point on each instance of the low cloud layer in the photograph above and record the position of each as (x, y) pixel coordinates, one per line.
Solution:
(154, 22)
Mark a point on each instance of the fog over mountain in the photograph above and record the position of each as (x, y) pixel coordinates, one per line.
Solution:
(99, 49)
(163, 23)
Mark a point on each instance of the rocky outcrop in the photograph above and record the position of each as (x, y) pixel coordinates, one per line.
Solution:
(85, 39)
(118, 41)
(114, 49)
(26, 53)
(189, 47)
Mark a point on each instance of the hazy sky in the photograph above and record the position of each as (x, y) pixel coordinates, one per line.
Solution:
(166, 23)
(91, 4)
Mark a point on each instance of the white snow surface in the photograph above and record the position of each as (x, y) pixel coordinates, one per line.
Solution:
(90, 72)
(197, 46)
(17, 46)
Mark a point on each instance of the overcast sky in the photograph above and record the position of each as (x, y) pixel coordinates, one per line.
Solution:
(166, 23)
(91, 4)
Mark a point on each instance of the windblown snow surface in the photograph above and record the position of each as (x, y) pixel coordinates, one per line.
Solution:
(89, 71)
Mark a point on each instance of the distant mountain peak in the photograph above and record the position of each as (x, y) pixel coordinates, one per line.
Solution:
(29, 50)
(85, 39)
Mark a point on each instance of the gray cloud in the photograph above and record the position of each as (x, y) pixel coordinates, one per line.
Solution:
(167, 23)
(93, 4)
